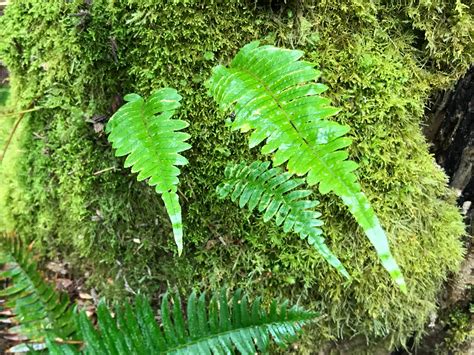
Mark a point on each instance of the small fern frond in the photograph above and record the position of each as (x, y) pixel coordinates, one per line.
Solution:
(274, 95)
(37, 309)
(216, 327)
(274, 194)
(144, 130)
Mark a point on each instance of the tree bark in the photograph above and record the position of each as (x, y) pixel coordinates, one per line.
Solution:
(451, 130)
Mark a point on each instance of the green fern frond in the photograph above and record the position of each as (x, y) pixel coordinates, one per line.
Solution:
(274, 95)
(37, 309)
(275, 194)
(220, 326)
(216, 327)
(143, 130)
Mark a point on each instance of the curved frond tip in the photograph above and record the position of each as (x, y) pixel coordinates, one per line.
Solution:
(275, 97)
(145, 131)
(275, 194)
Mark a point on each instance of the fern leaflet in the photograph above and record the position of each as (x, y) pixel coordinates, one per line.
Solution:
(36, 308)
(143, 130)
(274, 95)
(275, 195)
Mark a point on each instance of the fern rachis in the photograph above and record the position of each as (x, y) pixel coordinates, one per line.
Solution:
(274, 95)
(144, 130)
(275, 195)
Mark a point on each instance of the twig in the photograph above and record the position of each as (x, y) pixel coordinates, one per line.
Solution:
(183, 196)
(104, 170)
(73, 342)
(10, 137)
(21, 112)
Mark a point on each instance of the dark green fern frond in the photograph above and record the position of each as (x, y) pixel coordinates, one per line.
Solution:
(216, 327)
(219, 326)
(275, 194)
(275, 96)
(143, 130)
(37, 309)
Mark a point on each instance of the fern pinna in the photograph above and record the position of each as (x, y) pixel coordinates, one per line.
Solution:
(275, 194)
(216, 327)
(144, 130)
(33, 305)
(274, 95)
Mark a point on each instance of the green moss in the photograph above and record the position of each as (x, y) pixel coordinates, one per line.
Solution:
(4, 94)
(69, 192)
(459, 332)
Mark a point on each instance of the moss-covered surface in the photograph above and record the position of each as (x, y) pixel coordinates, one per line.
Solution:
(381, 61)
(460, 332)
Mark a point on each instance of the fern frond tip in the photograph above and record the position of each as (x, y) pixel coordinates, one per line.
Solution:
(277, 195)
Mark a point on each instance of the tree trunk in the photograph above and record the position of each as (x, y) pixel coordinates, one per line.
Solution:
(451, 130)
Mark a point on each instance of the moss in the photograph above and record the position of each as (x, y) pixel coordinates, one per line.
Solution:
(4, 93)
(67, 190)
(459, 332)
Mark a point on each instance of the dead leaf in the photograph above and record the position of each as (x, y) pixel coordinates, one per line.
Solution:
(56, 267)
(98, 127)
(211, 244)
(17, 337)
(63, 284)
(7, 321)
(85, 296)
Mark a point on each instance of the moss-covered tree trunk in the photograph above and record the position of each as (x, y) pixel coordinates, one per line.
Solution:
(451, 130)
(62, 187)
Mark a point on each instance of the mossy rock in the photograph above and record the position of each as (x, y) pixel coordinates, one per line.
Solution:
(68, 192)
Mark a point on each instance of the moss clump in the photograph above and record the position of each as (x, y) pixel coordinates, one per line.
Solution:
(76, 59)
(460, 332)
(4, 93)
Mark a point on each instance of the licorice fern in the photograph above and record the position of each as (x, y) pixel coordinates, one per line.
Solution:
(144, 130)
(31, 303)
(216, 327)
(274, 95)
(275, 194)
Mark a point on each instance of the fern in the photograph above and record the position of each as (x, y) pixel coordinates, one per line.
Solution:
(36, 308)
(143, 130)
(274, 95)
(46, 319)
(273, 192)
(218, 327)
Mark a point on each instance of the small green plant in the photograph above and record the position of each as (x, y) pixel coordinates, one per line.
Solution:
(274, 95)
(220, 325)
(145, 131)
(460, 331)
